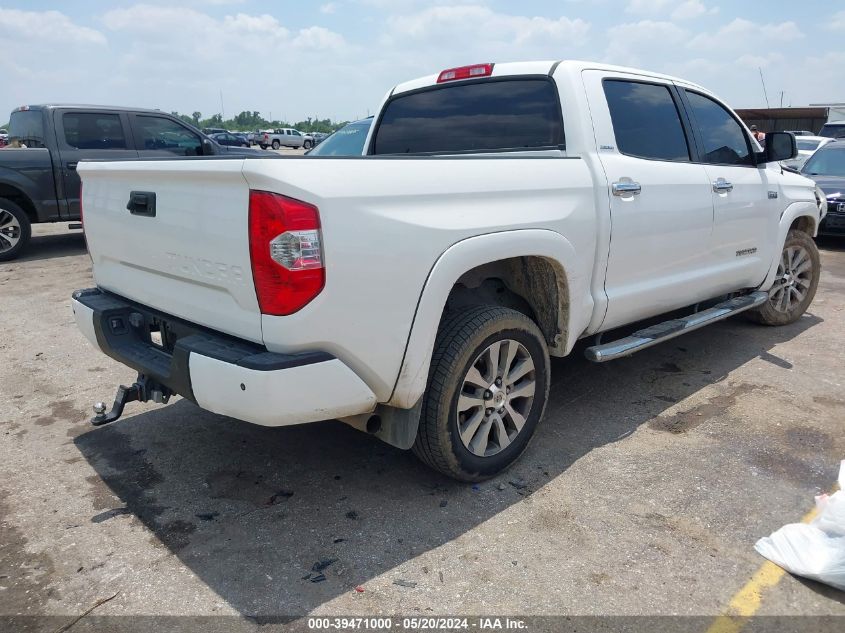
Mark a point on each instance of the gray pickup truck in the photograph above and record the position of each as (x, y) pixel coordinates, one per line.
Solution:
(38, 179)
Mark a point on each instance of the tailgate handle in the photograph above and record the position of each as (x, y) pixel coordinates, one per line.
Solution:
(142, 203)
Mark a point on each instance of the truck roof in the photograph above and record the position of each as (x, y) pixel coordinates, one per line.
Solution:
(542, 68)
(84, 106)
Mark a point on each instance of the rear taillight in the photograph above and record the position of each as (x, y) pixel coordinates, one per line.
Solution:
(465, 72)
(286, 252)
(266, 137)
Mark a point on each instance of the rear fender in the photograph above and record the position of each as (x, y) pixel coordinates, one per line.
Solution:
(471, 253)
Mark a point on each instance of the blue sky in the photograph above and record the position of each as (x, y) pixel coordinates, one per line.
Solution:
(295, 59)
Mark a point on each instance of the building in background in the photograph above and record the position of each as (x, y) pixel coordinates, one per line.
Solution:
(779, 119)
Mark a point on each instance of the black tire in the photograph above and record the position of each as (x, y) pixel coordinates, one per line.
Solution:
(263, 146)
(15, 230)
(461, 341)
(276, 145)
(776, 311)
(307, 145)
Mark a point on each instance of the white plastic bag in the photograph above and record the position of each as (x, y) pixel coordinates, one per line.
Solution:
(815, 550)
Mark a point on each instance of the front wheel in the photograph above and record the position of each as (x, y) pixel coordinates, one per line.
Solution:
(15, 230)
(307, 144)
(487, 389)
(795, 282)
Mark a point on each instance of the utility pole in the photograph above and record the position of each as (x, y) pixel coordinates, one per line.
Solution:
(764, 86)
(222, 111)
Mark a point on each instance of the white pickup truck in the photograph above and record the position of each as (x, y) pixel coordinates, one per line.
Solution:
(500, 214)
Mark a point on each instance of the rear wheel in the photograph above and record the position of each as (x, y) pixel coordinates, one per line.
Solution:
(487, 389)
(795, 283)
(15, 230)
(276, 145)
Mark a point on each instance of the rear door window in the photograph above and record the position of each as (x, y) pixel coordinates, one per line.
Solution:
(158, 134)
(646, 121)
(93, 130)
(488, 115)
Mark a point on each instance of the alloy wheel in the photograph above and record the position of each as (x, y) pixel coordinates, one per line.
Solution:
(496, 398)
(10, 231)
(793, 279)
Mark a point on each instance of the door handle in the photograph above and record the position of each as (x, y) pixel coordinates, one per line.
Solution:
(72, 166)
(142, 203)
(722, 186)
(626, 188)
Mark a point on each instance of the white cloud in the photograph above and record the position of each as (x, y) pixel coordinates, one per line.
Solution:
(741, 34)
(647, 6)
(485, 24)
(51, 26)
(180, 55)
(692, 9)
(759, 61)
(837, 22)
(329, 8)
(255, 25)
(318, 38)
(637, 43)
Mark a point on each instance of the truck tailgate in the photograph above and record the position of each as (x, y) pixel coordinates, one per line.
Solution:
(190, 256)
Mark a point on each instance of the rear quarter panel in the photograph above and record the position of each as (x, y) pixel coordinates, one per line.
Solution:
(387, 221)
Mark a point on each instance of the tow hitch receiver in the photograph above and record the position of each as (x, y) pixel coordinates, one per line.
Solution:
(143, 390)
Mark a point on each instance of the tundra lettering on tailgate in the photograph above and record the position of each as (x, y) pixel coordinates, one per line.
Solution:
(199, 268)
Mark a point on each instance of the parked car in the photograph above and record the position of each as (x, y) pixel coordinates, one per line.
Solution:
(286, 137)
(417, 292)
(800, 132)
(806, 146)
(347, 141)
(827, 168)
(318, 137)
(833, 129)
(229, 139)
(40, 183)
(208, 131)
(4, 137)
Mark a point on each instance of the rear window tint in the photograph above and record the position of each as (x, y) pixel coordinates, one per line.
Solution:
(514, 114)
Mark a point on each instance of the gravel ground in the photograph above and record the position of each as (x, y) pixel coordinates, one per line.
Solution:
(642, 493)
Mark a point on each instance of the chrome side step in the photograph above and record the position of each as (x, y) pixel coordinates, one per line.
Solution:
(660, 332)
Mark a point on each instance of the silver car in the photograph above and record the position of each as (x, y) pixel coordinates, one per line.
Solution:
(286, 137)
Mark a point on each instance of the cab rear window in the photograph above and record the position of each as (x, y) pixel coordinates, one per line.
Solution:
(26, 127)
(487, 115)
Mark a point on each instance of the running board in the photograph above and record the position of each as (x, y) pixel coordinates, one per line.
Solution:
(660, 332)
